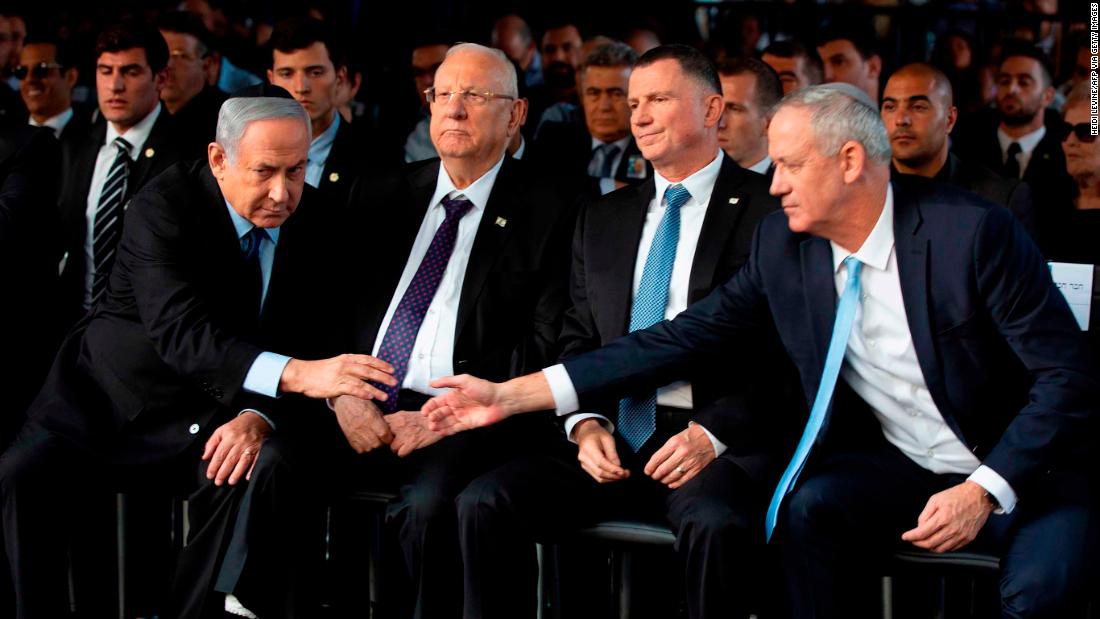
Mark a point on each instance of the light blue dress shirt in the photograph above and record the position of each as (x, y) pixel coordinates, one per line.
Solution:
(319, 150)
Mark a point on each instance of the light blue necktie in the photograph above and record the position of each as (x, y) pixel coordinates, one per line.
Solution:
(842, 328)
(638, 416)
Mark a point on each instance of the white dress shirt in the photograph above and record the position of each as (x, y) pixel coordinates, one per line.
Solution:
(761, 167)
(1027, 145)
(319, 150)
(136, 136)
(57, 123)
(881, 366)
(607, 185)
(676, 395)
(433, 352)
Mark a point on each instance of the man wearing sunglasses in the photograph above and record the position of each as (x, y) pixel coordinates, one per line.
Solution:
(919, 114)
(46, 79)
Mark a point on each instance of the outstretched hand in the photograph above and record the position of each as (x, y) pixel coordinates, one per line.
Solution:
(471, 403)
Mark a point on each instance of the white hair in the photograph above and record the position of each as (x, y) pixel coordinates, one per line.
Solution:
(841, 113)
(505, 74)
(236, 114)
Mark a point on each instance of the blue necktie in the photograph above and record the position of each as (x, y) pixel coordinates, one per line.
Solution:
(250, 247)
(638, 416)
(838, 344)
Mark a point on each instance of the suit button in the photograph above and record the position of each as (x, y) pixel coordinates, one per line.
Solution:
(194, 429)
(218, 393)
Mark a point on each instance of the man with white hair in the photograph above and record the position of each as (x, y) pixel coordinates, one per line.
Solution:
(953, 396)
(177, 370)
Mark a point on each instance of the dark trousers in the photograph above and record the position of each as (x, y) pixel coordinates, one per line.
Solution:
(848, 513)
(717, 518)
(50, 487)
(309, 466)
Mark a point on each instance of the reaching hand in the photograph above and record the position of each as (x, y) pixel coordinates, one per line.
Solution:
(362, 423)
(234, 448)
(342, 375)
(951, 519)
(410, 432)
(471, 403)
(596, 452)
(681, 457)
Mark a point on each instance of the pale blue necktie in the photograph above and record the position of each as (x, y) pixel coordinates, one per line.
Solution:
(638, 416)
(842, 328)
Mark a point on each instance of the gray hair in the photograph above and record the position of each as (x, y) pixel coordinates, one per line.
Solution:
(236, 114)
(505, 74)
(840, 113)
(611, 54)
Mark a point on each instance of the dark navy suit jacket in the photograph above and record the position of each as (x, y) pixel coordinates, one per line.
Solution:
(1000, 352)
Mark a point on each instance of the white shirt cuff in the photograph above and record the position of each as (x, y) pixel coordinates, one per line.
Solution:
(572, 421)
(261, 415)
(995, 485)
(561, 387)
(719, 446)
(263, 377)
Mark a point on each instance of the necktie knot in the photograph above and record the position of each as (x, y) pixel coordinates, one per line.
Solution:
(854, 267)
(456, 208)
(251, 241)
(676, 196)
(1014, 149)
(603, 158)
(123, 146)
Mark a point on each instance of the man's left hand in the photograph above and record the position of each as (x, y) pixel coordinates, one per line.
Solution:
(410, 432)
(951, 519)
(234, 448)
(681, 457)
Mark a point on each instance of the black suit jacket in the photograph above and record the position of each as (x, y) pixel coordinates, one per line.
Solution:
(29, 252)
(1002, 357)
(565, 150)
(161, 150)
(605, 249)
(197, 122)
(356, 154)
(160, 362)
(514, 291)
(1013, 194)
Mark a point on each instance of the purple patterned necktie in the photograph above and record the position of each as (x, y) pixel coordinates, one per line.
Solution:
(398, 342)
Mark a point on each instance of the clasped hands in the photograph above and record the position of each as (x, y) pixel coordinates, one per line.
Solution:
(367, 428)
(674, 464)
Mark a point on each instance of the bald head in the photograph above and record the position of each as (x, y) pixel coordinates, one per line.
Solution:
(512, 35)
(919, 115)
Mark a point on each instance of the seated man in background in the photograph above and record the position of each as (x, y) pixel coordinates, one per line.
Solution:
(750, 89)
(172, 378)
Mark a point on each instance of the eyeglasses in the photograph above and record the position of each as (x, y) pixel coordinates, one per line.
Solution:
(1083, 131)
(469, 97)
(38, 71)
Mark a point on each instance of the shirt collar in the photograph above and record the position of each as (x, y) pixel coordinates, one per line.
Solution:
(57, 123)
(877, 248)
(327, 137)
(1027, 142)
(243, 226)
(478, 191)
(700, 184)
(761, 167)
(522, 148)
(136, 135)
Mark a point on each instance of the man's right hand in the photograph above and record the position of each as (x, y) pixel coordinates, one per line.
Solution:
(338, 376)
(596, 452)
(362, 422)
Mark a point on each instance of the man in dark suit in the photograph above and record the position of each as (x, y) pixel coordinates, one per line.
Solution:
(132, 142)
(966, 382)
(919, 114)
(750, 89)
(193, 103)
(46, 78)
(1021, 140)
(716, 504)
(483, 289)
(600, 155)
(309, 61)
(181, 360)
(29, 253)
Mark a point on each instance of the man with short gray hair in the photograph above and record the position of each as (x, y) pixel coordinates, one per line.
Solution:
(952, 394)
(176, 372)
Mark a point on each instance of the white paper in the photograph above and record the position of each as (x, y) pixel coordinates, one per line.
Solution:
(1075, 282)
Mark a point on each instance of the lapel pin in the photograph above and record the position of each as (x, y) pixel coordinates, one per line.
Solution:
(734, 200)
(501, 222)
(332, 178)
(150, 152)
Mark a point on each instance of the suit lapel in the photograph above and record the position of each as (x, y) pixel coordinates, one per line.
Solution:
(333, 173)
(624, 217)
(82, 171)
(153, 152)
(820, 286)
(725, 210)
(489, 240)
